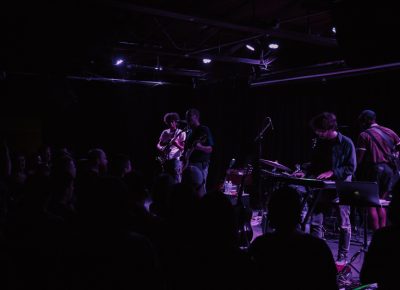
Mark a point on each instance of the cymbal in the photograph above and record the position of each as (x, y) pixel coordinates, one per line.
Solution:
(274, 164)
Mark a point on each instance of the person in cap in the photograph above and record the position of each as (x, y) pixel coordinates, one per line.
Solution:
(376, 147)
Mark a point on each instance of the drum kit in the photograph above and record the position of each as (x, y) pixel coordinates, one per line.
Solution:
(236, 175)
(275, 165)
(268, 166)
(243, 178)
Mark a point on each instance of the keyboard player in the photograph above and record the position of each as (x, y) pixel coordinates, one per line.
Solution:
(333, 158)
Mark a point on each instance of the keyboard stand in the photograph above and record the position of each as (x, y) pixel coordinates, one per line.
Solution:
(315, 199)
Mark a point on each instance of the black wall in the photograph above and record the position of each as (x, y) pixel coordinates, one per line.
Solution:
(128, 118)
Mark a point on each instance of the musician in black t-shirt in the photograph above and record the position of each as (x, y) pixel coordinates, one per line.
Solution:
(199, 145)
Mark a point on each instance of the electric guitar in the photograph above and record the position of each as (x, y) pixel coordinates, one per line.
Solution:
(163, 155)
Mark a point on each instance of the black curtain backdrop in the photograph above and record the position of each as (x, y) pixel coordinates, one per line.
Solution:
(123, 118)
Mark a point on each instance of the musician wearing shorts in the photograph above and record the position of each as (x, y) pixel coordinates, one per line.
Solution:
(375, 144)
(171, 145)
(333, 158)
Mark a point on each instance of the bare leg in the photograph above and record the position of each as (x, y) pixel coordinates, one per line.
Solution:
(374, 219)
(382, 217)
(382, 212)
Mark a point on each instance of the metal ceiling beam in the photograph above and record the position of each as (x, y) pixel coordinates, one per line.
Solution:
(232, 59)
(340, 64)
(115, 80)
(98, 79)
(231, 43)
(332, 74)
(223, 58)
(167, 70)
(279, 33)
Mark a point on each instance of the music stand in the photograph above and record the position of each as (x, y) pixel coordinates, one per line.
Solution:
(361, 194)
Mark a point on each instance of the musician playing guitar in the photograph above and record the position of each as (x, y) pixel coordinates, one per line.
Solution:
(171, 145)
(201, 153)
(333, 158)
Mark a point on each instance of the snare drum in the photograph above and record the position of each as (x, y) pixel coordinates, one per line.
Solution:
(236, 175)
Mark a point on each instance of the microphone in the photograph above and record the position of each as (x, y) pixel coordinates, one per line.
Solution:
(182, 121)
(270, 122)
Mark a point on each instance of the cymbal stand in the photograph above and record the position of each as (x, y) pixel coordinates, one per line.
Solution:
(259, 140)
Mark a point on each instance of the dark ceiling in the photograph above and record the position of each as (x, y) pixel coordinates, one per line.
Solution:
(166, 41)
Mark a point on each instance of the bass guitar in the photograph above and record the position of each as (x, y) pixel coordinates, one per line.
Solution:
(189, 150)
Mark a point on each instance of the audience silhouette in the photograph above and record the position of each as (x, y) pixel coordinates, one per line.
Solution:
(288, 258)
(379, 264)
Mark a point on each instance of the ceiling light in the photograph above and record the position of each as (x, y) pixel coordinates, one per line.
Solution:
(249, 47)
(273, 46)
(119, 61)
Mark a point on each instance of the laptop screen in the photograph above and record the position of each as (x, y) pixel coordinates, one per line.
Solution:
(358, 193)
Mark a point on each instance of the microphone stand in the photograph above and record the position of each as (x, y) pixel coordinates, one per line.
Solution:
(260, 135)
(259, 138)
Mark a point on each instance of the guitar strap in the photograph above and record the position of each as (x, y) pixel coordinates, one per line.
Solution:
(176, 135)
(384, 137)
(167, 147)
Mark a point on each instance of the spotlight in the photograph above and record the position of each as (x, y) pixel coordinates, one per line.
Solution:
(119, 61)
(158, 68)
(334, 29)
(206, 60)
(249, 47)
(273, 46)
